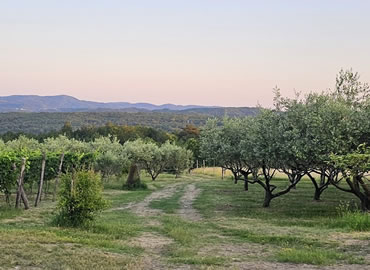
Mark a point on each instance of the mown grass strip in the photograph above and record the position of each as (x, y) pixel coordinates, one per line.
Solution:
(169, 205)
(279, 240)
(315, 256)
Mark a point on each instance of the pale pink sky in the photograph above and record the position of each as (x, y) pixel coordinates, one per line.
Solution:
(229, 53)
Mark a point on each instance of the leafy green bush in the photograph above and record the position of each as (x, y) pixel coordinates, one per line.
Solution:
(80, 199)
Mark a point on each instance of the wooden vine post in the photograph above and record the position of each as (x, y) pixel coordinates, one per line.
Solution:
(38, 197)
(21, 195)
(58, 176)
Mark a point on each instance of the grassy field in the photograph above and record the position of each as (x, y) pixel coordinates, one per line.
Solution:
(197, 221)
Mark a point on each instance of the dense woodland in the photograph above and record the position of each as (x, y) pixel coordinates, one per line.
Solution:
(37, 123)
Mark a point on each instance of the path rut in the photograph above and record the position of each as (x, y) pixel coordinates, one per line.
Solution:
(187, 211)
(142, 208)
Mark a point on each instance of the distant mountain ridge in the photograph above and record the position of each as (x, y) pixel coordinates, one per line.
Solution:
(64, 103)
(38, 114)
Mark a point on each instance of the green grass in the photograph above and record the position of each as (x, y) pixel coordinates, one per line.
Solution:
(190, 239)
(295, 208)
(199, 260)
(169, 205)
(352, 221)
(263, 238)
(7, 212)
(185, 233)
(120, 198)
(51, 248)
(315, 256)
(235, 228)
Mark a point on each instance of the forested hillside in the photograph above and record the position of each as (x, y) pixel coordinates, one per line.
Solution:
(42, 122)
(220, 111)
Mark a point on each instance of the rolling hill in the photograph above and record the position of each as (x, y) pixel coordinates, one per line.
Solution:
(39, 114)
(64, 103)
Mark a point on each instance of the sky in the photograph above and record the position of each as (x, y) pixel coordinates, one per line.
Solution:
(205, 52)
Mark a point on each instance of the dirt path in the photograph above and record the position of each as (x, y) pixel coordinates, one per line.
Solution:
(187, 210)
(142, 208)
(153, 245)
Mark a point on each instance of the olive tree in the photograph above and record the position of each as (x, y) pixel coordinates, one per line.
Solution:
(337, 122)
(263, 150)
(178, 159)
(111, 159)
(23, 145)
(134, 151)
(222, 144)
(331, 122)
(155, 160)
(146, 155)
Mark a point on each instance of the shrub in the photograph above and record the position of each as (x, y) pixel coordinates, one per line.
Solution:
(80, 199)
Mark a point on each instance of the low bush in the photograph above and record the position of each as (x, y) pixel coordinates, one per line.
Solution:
(80, 199)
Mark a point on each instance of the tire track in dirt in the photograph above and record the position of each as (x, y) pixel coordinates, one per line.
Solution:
(187, 211)
(143, 209)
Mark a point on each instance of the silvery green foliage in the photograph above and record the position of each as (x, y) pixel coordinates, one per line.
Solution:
(350, 89)
(220, 144)
(111, 159)
(155, 159)
(178, 158)
(147, 155)
(297, 137)
(64, 144)
(2, 145)
(22, 143)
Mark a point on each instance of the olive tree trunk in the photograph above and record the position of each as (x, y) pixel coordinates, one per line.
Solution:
(58, 176)
(21, 195)
(133, 178)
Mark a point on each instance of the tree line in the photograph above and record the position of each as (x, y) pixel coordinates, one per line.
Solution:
(187, 136)
(38, 123)
(324, 136)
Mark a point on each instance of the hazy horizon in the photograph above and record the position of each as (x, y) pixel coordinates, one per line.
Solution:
(213, 53)
(118, 101)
